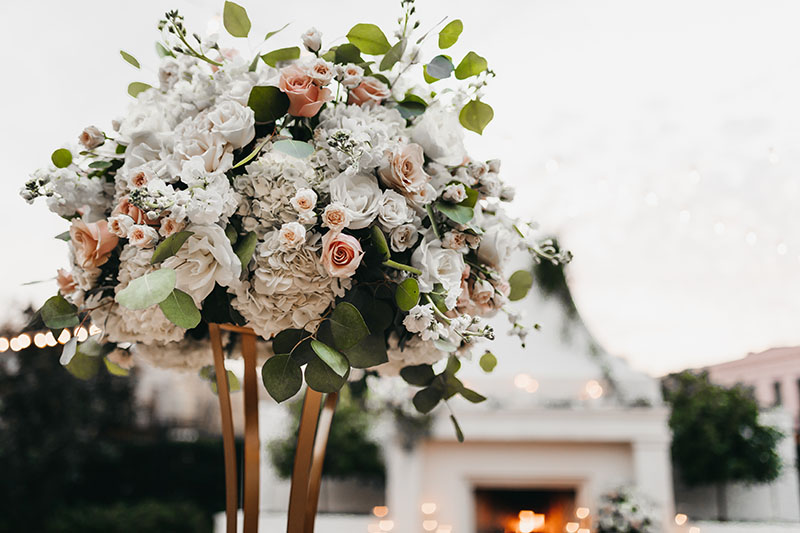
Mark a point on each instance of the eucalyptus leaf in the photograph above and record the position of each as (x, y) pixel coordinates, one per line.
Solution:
(268, 103)
(369, 38)
(180, 309)
(410, 109)
(347, 327)
(233, 382)
(83, 366)
(129, 58)
(231, 234)
(298, 149)
(488, 362)
(457, 427)
(114, 369)
(64, 236)
(428, 398)
(162, 51)
(444, 345)
(333, 358)
(61, 158)
(58, 313)
(68, 351)
(450, 33)
(379, 240)
(101, 165)
(476, 115)
(461, 214)
(275, 32)
(282, 377)
(148, 290)
(394, 55)
(348, 53)
(471, 396)
(471, 65)
(440, 67)
(320, 377)
(407, 294)
(419, 375)
(281, 54)
(235, 19)
(520, 281)
(371, 351)
(170, 246)
(295, 342)
(245, 248)
(137, 87)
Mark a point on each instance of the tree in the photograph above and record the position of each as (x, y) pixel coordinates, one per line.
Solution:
(716, 436)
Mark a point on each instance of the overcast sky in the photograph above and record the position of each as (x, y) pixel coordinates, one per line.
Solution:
(659, 140)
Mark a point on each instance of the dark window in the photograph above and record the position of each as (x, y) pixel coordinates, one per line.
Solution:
(776, 387)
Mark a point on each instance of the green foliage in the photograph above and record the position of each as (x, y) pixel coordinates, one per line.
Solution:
(458, 213)
(298, 149)
(407, 294)
(322, 378)
(129, 58)
(471, 65)
(59, 313)
(123, 517)
(351, 450)
(439, 68)
(450, 33)
(419, 375)
(331, 357)
(369, 38)
(162, 51)
(521, 282)
(488, 362)
(245, 248)
(137, 87)
(235, 19)
(347, 328)
(476, 115)
(716, 435)
(147, 290)
(295, 342)
(347, 53)
(370, 351)
(61, 158)
(379, 241)
(282, 377)
(275, 32)
(394, 55)
(282, 54)
(65, 236)
(170, 246)
(428, 398)
(268, 103)
(179, 308)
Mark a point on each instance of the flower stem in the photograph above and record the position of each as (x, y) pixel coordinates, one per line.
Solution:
(400, 266)
(432, 218)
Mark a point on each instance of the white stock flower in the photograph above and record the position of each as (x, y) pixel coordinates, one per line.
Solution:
(440, 135)
(205, 258)
(142, 236)
(234, 122)
(419, 318)
(403, 237)
(360, 195)
(293, 235)
(394, 210)
(438, 265)
(312, 39)
(414, 351)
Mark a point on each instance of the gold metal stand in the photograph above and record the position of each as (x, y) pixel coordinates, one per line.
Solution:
(312, 440)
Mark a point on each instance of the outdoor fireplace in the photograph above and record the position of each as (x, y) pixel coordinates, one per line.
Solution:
(529, 510)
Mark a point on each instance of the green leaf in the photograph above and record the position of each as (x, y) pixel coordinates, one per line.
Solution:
(298, 149)
(245, 248)
(114, 369)
(136, 87)
(180, 309)
(369, 38)
(268, 103)
(371, 351)
(488, 362)
(69, 351)
(233, 381)
(231, 234)
(148, 290)
(419, 375)
(235, 19)
(470, 395)
(162, 51)
(59, 313)
(348, 53)
(379, 240)
(393, 55)
(444, 345)
(61, 158)
(334, 359)
(81, 361)
(377, 313)
(64, 236)
(102, 165)
(322, 378)
(439, 68)
(129, 58)
(459, 433)
(282, 377)
(170, 246)
(476, 115)
(521, 282)
(411, 108)
(275, 32)
(428, 78)
(460, 214)
(428, 398)
(295, 342)
(471, 65)
(407, 294)
(347, 327)
(453, 365)
(449, 34)
(281, 54)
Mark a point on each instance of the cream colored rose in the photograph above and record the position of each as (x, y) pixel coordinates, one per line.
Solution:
(404, 173)
(234, 122)
(292, 235)
(142, 236)
(92, 243)
(440, 135)
(304, 200)
(394, 210)
(312, 39)
(335, 217)
(454, 193)
(205, 259)
(496, 246)
(341, 254)
(360, 195)
(351, 75)
(120, 225)
(403, 237)
(170, 227)
(438, 265)
(91, 138)
(321, 72)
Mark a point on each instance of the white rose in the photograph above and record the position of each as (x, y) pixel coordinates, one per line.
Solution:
(454, 193)
(496, 246)
(235, 122)
(120, 225)
(335, 217)
(491, 185)
(91, 138)
(195, 138)
(438, 265)
(352, 75)
(360, 195)
(312, 39)
(403, 237)
(142, 236)
(455, 240)
(292, 236)
(304, 200)
(394, 210)
(205, 259)
(440, 135)
(321, 71)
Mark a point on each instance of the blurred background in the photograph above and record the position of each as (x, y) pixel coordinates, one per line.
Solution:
(657, 140)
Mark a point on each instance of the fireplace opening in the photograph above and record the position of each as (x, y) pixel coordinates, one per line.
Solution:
(523, 510)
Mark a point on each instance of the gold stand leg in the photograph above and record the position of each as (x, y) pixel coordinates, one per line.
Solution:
(252, 448)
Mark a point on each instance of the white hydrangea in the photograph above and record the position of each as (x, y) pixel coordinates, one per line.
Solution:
(415, 351)
(189, 355)
(288, 287)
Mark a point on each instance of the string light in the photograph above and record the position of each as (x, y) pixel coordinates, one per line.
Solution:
(39, 340)
(680, 519)
(429, 525)
(386, 525)
(594, 390)
(51, 339)
(380, 511)
(81, 334)
(572, 527)
(694, 529)
(428, 508)
(3, 344)
(14, 344)
(64, 337)
(24, 340)
(582, 512)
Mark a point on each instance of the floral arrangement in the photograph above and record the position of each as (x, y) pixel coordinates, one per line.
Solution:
(622, 511)
(321, 196)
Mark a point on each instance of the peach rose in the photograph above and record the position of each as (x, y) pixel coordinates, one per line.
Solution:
(125, 207)
(335, 217)
(92, 242)
(370, 91)
(305, 98)
(65, 281)
(404, 172)
(341, 254)
(169, 227)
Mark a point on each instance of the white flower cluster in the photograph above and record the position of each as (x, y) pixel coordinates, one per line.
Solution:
(69, 193)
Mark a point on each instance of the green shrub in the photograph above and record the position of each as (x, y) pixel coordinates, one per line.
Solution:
(144, 517)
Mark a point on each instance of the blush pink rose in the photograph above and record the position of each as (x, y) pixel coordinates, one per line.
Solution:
(65, 281)
(92, 242)
(125, 207)
(404, 172)
(341, 254)
(369, 91)
(305, 98)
